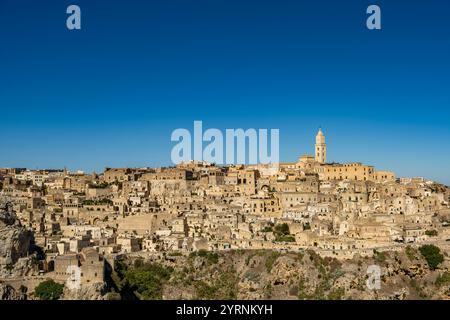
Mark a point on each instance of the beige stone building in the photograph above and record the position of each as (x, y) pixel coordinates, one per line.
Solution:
(321, 148)
(338, 209)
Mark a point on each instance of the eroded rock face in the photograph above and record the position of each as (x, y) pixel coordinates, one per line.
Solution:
(15, 240)
(95, 291)
(265, 274)
(9, 293)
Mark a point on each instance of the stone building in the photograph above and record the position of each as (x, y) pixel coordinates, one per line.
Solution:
(321, 148)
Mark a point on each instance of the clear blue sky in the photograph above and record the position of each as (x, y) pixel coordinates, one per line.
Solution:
(112, 93)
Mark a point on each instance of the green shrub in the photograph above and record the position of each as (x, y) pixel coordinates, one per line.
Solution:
(443, 279)
(410, 253)
(205, 291)
(211, 257)
(49, 290)
(379, 256)
(432, 255)
(336, 294)
(282, 233)
(145, 284)
(267, 229)
(281, 229)
(268, 290)
(138, 263)
(431, 233)
(271, 260)
(251, 275)
(416, 286)
(174, 254)
(147, 280)
(223, 288)
(286, 238)
(301, 292)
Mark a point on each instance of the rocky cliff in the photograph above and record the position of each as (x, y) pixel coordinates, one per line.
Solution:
(9, 293)
(15, 240)
(266, 274)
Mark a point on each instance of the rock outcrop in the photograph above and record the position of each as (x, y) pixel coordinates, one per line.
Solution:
(15, 240)
(95, 291)
(9, 293)
(266, 274)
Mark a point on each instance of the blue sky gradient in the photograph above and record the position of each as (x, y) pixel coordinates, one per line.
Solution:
(112, 93)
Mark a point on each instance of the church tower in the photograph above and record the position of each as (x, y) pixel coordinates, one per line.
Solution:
(321, 147)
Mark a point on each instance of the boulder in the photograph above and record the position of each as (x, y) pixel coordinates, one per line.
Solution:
(15, 240)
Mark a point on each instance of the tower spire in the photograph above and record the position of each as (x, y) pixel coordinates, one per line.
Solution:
(321, 147)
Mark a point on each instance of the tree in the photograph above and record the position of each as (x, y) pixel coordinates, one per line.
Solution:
(282, 233)
(145, 283)
(281, 229)
(431, 233)
(432, 254)
(147, 280)
(49, 290)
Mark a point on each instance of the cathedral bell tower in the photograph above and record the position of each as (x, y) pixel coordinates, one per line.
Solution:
(321, 147)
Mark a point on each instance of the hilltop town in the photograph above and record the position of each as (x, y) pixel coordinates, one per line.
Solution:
(53, 220)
